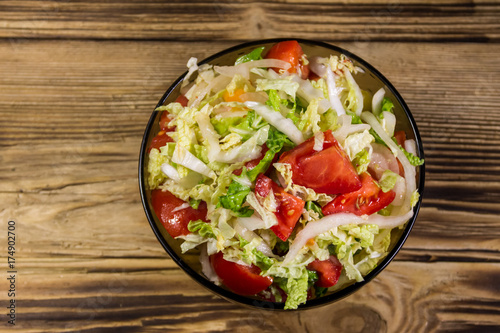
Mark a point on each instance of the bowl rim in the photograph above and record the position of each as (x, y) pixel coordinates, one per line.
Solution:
(262, 304)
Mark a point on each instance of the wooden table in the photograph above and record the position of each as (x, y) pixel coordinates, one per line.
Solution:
(78, 82)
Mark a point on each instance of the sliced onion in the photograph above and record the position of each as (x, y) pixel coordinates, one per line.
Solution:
(329, 222)
(357, 91)
(249, 235)
(410, 146)
(317, 66)
(333, 94)
(276, 119)
(400, 190)
(218, 83)
(308, 92)
(382, 159)
(196, 94)
(206, 267)
(259, 97)
(408, 168)
(183, 157)
(244, 68)
(170, 171)
(319, 139)
(252, 223)
(390, 122)
(347, 128)
(377, 99)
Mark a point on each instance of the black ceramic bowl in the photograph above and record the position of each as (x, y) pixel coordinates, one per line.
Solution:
(371, 80)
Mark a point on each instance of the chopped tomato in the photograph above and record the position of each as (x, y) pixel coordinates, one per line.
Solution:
(368, 200)
(288, 210)
(328, 271)
(243, 280)
(182, 100)
(164, 120)
(400, 137)
(327, 171)
(160, 140)
(176, 223)
(291, 52)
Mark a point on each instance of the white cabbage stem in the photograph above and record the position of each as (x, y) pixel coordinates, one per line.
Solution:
(276, 119)
(327, 223)
(377, 99)
(333, 93)
(357, 91)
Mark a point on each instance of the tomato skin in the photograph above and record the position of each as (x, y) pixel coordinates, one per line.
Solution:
(328, 271)
(289, 207)
(366, 201)
(400, 137)
(327, 171)
(291, 52)
(176, 223)
(243, 280)
(182, 100)
(160, 140)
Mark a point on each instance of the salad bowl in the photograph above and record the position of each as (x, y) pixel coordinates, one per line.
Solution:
(371, 80)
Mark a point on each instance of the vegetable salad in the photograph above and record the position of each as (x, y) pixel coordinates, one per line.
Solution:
(281, 173)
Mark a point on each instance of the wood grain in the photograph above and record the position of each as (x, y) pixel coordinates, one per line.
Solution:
(152, 295)
(361, 20)
(79, 82)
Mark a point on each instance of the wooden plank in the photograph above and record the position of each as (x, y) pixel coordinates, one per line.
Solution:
(108, 215)
(360, 20)
(72, 115)
(157, 296)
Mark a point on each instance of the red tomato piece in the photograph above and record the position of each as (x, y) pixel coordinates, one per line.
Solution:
(400, 137)
(291, 52)
(243, 280)
(182, 100)
(288, 210)
(327, 171)
(328, 271)
(160, 140)
(176, 223)
(368, 200)
(164, 120)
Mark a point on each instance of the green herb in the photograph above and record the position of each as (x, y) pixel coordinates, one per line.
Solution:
(311, 205)
(234, 199)
(414, 160)
(256, 54)
(312, 277)
(320, 291)
(194, 203)
(203, 228)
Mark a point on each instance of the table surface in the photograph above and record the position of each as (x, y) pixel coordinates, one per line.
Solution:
(78, 83)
